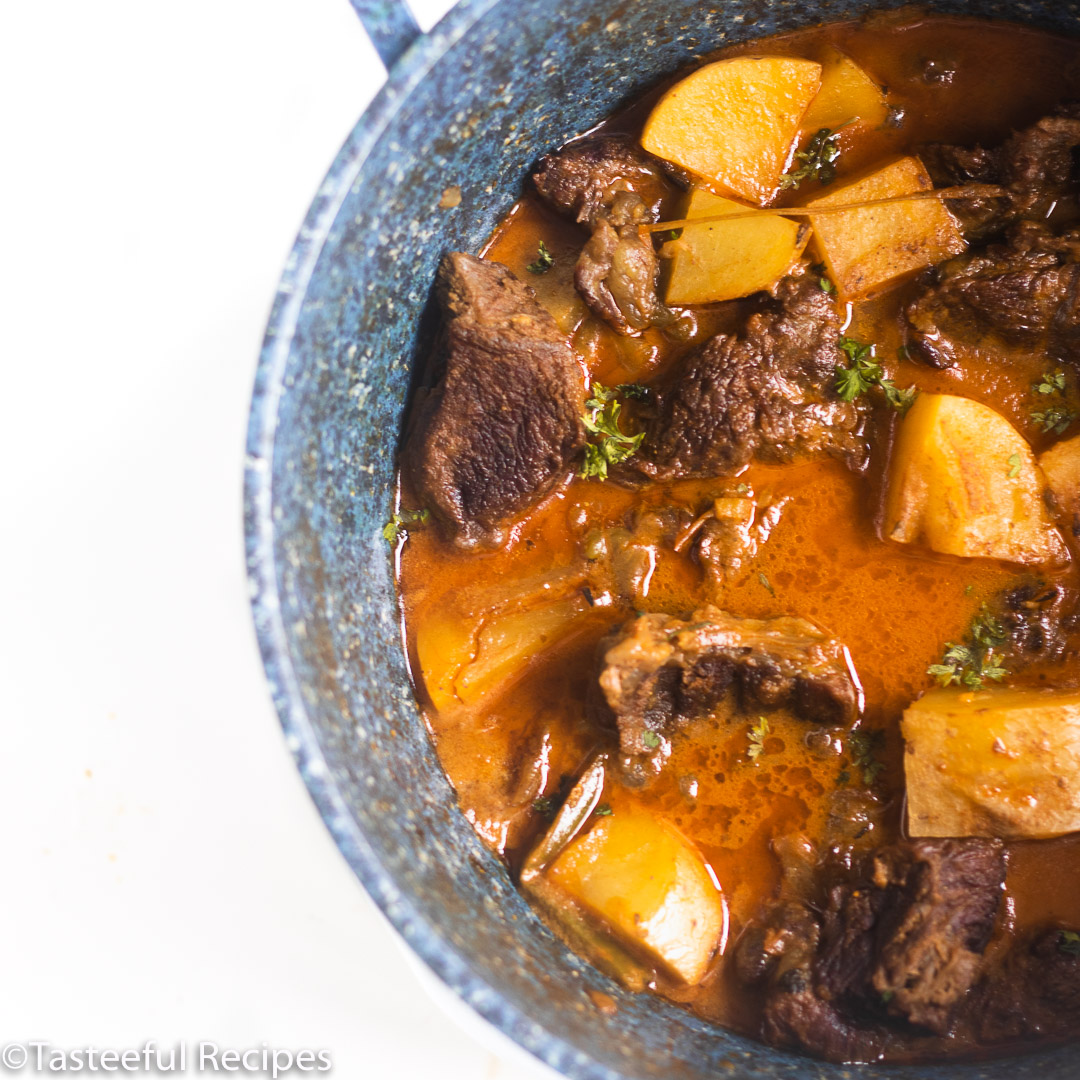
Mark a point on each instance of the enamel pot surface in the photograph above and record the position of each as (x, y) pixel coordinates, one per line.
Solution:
(470, 106)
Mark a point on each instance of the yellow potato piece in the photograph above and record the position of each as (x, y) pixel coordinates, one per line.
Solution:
(870, 250)
(734, 122)
(1061, 464)
(847, 96)
(465, 657)
(722, 260)
(998, 762)
(649, 886)
(507, 643)
(964, 481)
(445, 643)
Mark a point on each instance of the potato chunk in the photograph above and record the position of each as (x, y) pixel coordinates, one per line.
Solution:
(999, 762)
(721, 260)
(649, 886)
(848, 96)
(734, 122)
(1061, 464)
(506, 644)
(870, 250)
(467, 655)
(964, 482)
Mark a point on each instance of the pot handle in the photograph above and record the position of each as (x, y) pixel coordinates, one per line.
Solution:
(390, 25)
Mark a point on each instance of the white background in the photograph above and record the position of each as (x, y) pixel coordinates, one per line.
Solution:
(164, 874)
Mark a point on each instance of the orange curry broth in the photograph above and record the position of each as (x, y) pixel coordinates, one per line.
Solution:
(894, 606)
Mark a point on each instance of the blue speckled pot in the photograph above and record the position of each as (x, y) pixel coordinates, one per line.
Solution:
(471, 104)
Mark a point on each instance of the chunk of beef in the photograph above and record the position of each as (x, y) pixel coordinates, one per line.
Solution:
(659, 671)
(768, 393)
(500, 429)
(616, 271)
(795, 1016)
(612, 186)
(1025, 291)
(584, 178)
(1037, 619)
(1034, 993)
(912, 933)
(1036, 165)
(895, 950)
(729, 537)
(954, 166)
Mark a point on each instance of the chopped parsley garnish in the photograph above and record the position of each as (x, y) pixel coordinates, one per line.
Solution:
(765, 583)
(865, 747)
(842, 777)
(1014, 466)
(603, 810)
(1051, 384)
(635, 390)
(544, 260)
(974, 661)
(400, 523)
(823, 278)
(818, 160)
(602, 418)
(544, 806)
(651, 739)
(864, 372)
(758, 733)
(1054, 419)
(1069, 943)
(900, 399)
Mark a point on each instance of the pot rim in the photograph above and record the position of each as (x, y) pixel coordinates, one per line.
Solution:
(421, 937)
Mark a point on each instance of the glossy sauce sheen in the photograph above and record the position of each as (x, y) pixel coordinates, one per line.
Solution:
(893, 606)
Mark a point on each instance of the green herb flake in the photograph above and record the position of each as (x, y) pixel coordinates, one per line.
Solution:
(651, 740)
(865, 747)
(818, 159)
(843, 777)
(1014, 466)
(757, 735)
(1069, 943)
(969, 590)
(602, 418)
(765, 583)
(544, 806)
(900, 400)
(1054, 420)
(973, 661)
(819, 271)
(863, 373)
(399, 524)
(544, 260)
(1051, 384)
(603, 810)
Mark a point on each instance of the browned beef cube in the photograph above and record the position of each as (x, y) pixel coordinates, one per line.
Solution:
(503, 425)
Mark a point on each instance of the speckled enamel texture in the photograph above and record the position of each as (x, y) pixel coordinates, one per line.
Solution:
(472, 105)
